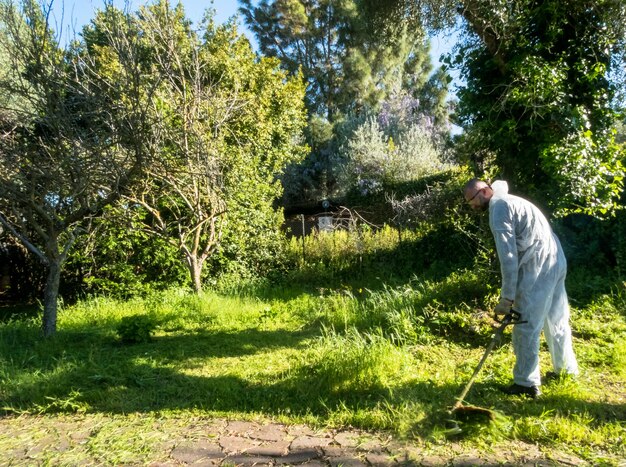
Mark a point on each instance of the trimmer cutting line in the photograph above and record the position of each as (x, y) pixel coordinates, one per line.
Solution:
(467, 410)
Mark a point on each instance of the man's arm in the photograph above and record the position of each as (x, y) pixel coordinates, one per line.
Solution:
(503, 229)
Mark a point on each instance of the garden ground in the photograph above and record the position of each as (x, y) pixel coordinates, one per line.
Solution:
(353, 377)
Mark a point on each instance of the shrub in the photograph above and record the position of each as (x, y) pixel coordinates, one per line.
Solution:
(136, 329)
(374, 160)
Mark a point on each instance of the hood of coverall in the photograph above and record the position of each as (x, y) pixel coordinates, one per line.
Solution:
(500, 189)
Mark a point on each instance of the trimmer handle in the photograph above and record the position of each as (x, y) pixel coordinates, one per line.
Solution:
(512, 317)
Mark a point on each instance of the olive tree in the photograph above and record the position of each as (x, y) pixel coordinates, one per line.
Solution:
(63, 151)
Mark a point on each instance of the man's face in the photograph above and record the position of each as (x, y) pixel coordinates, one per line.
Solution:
(476, 199)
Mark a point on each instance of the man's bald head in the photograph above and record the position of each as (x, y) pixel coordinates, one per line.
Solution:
(477, 194)
(475, 184)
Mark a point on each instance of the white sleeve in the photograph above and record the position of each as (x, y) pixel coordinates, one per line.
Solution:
(502, 227)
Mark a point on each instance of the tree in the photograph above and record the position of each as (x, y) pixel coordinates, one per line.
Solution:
(397, 145)
(351, 63)
(224, 126)
(539, 103)
(538, 96)
(346, 62)
(62, 153)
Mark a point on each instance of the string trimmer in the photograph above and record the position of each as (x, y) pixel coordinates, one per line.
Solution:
(467, 410)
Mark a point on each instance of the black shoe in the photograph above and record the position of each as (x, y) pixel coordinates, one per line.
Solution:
(519, 390)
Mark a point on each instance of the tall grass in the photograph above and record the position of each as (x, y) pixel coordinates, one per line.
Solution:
(393, 356)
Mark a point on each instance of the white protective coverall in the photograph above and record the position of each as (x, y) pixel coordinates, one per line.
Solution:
(533, 269)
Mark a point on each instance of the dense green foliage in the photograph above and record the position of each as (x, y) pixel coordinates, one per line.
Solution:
(543, 84)
(180, 134)
(540, 101)
(225, 123)
(120, 259)
(60, 163)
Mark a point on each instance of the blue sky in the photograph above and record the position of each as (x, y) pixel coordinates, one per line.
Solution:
(83, 10)
(73, 14)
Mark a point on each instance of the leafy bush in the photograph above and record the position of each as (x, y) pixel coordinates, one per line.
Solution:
(373, 159)
(121, 260)
(136, 329)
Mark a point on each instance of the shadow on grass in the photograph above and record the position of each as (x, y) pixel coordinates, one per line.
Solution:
(106, 376)
(12, 311)
(73, 372)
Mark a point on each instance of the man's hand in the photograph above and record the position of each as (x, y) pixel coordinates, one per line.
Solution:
(503, 307)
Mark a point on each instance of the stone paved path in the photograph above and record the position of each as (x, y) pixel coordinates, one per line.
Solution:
(249, 444)
(211, 442)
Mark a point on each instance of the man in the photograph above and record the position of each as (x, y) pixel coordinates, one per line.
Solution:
(533, 269)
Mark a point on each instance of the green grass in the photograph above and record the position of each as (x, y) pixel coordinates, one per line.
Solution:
(391, 359)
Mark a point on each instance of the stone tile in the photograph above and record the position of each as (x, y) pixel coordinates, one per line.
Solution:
(379, 460)
(298, 457)
(371, 443)
(304, 442)
(299, 430)
(347, 439)
(215, 427)
(412, 453)
(241, 428)
(190, 454)
(566, 459)
(274, 449)
(398, 447)
(237, 444)
(432, 461)
(272, 432)
(346, 461)
(241, 460)
(535, 463)
(80, 436)
(336, 451)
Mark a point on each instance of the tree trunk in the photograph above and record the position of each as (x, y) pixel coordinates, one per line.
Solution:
(50, 298)
(195, 269)
(471, 11)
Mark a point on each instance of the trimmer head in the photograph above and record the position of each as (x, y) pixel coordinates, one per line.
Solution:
(464, 413)
(465, 419)
(467, 411)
